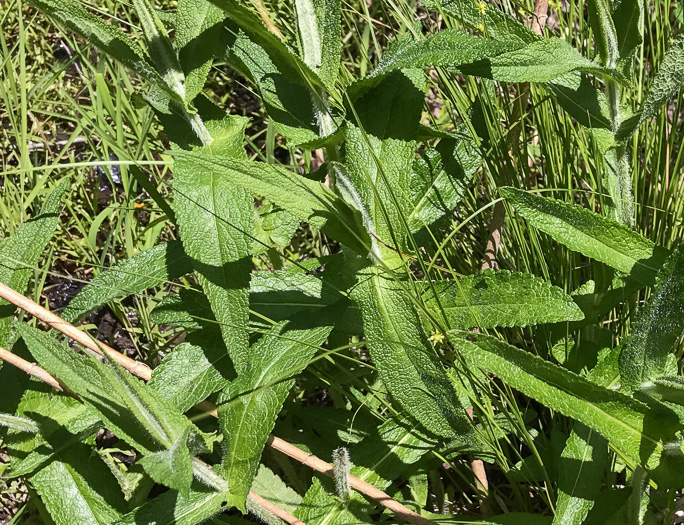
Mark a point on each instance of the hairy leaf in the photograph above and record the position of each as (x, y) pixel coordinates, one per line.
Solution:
(440, 178)
(162, 263)
(645, 434)
(308, 200)
(587, 104)
(249, 406)
(628, 18)
(407, 364)
(162, 54)
(308, 33)
(604, 31)
(215, 220)
(274, 490)
(173, 507)
(379, 155)
(186, 376)
(79, 489)
(503, 60)
(130, 409)
(198, 28)
(106, 37)
(590, 234)
(20, 253)
(582, 466)
(499, 298)
(329, 15)
(659, 324)
(667, 82)
(497, 24)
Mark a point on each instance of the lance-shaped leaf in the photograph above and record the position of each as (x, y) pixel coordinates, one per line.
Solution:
(309, 37)
(659, 324)
(274, 490)
(667, 82)
(594, 236)
(200, 504)
(644, 434)
(106, 37)
(582, 466)
(329, 16)
(379, 156)
(187, 375)
(133, 411)
(79, 489)
(287, 85)
(605, 35)
(586, 103)
(20, 253)
(380, 460)
(628, 18)
(249, 406)
(162, 263)
(504, 60)
(406, 362)
(216, 221)
(198, 28)
(499, 298)
(494, 22)
(308, 200)
(162, 54)
(440, 178)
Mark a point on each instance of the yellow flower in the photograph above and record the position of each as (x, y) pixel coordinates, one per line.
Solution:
(480, 27)
(437, 338)
(481, 7)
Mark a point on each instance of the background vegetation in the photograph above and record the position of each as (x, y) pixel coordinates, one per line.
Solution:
(72, 113)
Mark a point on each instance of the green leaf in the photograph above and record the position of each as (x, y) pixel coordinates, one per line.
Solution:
(270, 487)
(308, 200)
(19, 424)
(582, 466)
(587, 104)
(503, 60)
(104, 36)
(216, 219)
(381, 459)
(130, 409)
(162, 54)
(644, 434)
(658, 326)
(590, 234)
(499, 298)
(161, 264)
(21, 251)
(308, 33)
(628, 17)
(175, 508)
(287, 85)
(198, 28)
(249, 406)
(406, 362)
(79, 489)
(171, 466)
(667, 82)
(186, 376)
(497, 24)
(605, 35)
(440, 178)
(329, 16)
(379, 155)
